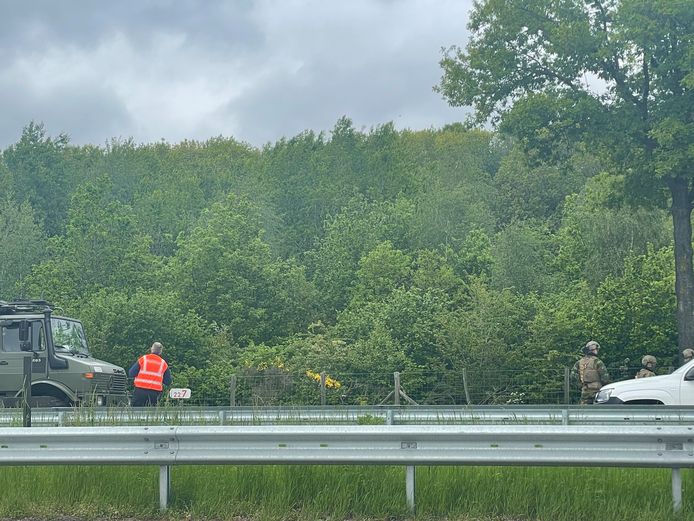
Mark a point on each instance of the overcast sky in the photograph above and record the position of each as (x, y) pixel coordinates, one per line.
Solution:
(254, 70)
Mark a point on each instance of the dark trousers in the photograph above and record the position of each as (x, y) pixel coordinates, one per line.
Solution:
(144, 397)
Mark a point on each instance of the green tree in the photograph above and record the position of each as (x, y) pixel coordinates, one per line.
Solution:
(454, 192)
(101, 248)
(227, 273)
(633, 313)
(525, 191)
(37, 170)
(356, 230)
(523, 258)
(616, 73)
(23, 244)
(599, 230)
(121, 327)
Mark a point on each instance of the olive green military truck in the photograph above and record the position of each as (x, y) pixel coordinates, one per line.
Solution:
(63, 372)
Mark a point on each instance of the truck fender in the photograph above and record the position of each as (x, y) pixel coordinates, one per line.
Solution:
(51, 383)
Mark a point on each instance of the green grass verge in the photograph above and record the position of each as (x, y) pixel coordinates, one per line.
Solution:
(343, 492)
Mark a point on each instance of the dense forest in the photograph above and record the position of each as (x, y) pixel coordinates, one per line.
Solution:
(501, 248)
(358, 252)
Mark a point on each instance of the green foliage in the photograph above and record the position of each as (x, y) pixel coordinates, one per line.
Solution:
(598, 231)
(526, 192)
(635, 311)
(475, 257)
(226, 272)
(561, 326)
(309, 492)
(356, 230)
(100, 249)
(22, 244)
(358, 255)
(122, 326)
(492, 325)
(523, 256)
(36, 165)
(381, 271)
(528, 66)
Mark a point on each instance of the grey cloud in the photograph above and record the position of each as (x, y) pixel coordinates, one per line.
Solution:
(42, 24)
(253, 70)
(90, 115)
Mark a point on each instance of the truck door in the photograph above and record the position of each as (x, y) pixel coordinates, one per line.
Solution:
(12, 356)
(39, 364)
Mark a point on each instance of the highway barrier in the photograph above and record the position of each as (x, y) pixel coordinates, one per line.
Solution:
(661, 446)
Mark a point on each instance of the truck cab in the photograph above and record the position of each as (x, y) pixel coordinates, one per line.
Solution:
(676, 388)
(63, 371)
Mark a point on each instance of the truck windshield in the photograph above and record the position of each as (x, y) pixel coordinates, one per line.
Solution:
(68, 335)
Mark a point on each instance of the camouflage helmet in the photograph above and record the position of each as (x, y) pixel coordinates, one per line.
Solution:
(688, 354)
(590, 345)
(649, 359)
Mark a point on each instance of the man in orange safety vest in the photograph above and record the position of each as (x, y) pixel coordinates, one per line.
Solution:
(151, 373)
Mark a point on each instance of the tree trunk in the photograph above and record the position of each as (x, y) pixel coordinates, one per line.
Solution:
(684, 274)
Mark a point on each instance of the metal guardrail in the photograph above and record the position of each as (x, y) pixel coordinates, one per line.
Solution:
(665, 446)
(390, 415)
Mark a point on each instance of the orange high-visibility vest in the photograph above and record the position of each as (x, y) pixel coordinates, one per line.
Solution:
(151, 375)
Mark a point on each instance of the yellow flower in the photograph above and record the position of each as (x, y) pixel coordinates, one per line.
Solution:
(329, 382)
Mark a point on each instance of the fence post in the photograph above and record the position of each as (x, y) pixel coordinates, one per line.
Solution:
(232, 391)
(396, 392)
(567, 386)
(26, 404)
(322, 388)
(467, 393)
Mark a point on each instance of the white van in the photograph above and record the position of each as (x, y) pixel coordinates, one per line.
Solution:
(676, 388)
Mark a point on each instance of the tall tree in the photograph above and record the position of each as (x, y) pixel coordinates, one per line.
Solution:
(37, 173)
(23, 244)
(617, 73)
(226, 273)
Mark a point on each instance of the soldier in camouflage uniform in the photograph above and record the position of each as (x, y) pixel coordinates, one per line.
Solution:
(590, 372)
(687, 355)
(648, 362)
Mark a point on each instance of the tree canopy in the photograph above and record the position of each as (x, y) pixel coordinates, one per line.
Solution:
(616, 75)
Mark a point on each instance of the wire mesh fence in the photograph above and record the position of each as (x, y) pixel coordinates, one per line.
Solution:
(469, 386)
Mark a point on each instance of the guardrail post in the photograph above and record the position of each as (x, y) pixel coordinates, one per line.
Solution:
(164, 486)
(232, 391)
(322, 388)
(410, 479)
(396, 393)
(676, 489)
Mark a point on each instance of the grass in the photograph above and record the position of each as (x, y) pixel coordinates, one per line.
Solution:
(276, 493)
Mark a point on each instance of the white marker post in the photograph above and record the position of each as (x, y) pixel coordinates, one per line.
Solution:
(179, 394)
